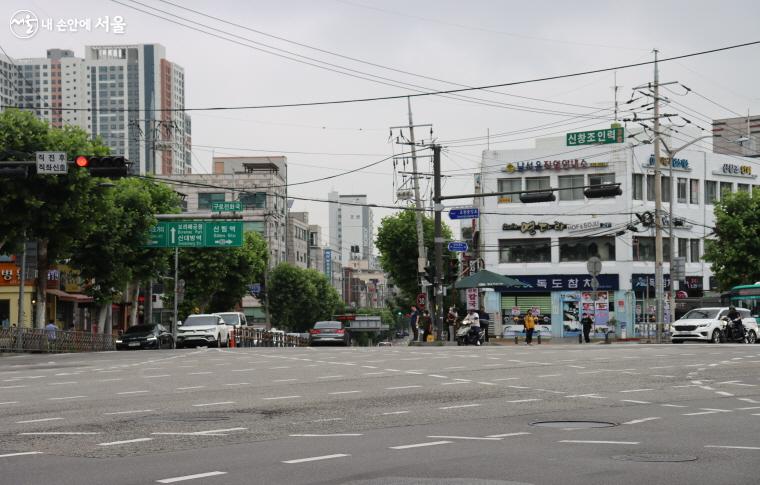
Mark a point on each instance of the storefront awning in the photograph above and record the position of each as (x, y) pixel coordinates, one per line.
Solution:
(489, 279)
(76, 297)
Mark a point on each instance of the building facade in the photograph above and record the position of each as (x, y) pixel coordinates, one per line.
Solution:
(546, 245)
(351, 227)
(298, 239)
(737, 136)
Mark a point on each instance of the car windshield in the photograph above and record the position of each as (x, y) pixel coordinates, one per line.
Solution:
(195, 320)
(708, 313)
(140, 329)
(230, 318)
(333, 325)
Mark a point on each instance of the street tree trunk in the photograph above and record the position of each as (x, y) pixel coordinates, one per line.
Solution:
(133, 296)
(41, 283)
(102, 316)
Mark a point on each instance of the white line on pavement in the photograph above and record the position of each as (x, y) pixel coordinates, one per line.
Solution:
(8, 402)
(419, 445)
(635, 401)
(125, 442)
(594, 442)
(38, 420)
(734, 447)
(724, 393)
(507, 435)
(460, 406)
(280, 397)
(129, 412)
(63, 433)
(238, 384)
(65, 398)
(403, 387)
(62, 383)
(642, 420)
(131, 392)
(8, 455)
(699, 413)
(213, 404)
(342, 392)
(190, 477)
(437, 376)
(674, 405)
(328, 377)
(285, 380)
(189, 387)
(637, 390)
(315, 458)
(394, 412)
(487, 438)
(746, 399)
(199, 373)
(325, 435)
(153, 377)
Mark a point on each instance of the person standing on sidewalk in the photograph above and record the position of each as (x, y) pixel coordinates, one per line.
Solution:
(50, 330)
(587, 323)
(413, 317)
(426, 324)
(530, 324)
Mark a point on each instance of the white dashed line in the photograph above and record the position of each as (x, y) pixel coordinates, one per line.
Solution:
(394, 412)
(634, 401)
(38, 420)
(642, 420)
(342, 392)
(155, 377)
(637, 390)
(333, 435)
(315, 458)
(67, 397)
(674, 406)
(401, 387)
(419, 445)
(125, 442)
(487, 438)
(62, 383)
(239, 384)
(129, 412)
(8, 402)
(190, 477)
(124, 393)
(329, 377)
(189, 387)
(734, 447)
(699, 413)
(213, 404)
(593, 442)
(724, 393)
(280, 397)
(59, 433)
(199, 373)
(23, 453)
(284, 380)
(461, 406)
(524, 400)
(507, 435)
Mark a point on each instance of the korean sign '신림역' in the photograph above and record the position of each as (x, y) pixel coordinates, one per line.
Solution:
(596, 137)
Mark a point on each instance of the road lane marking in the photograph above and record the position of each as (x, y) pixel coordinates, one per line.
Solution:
(284, 380)
(724, 393)
(22, 453)
(153, 377)
(524, 400)
(550, 375)
(746, 399)
(419, 445)
(635, 401)
(191, 477)
(642, 420)
(8, 402)
(129, 412)
(507, 379)
(674, 405)
(599, 442)
(455, 367)
(394, 412)
(716, 410)
(279, 367)
(38, 420)
(67, 397)
(372, 373)
(199, 373)
(325, 435)
(131, 392)
(507, 435)
(342, 392)
(213, 404)
(242, 370)
(239, 384)
(315, 458)
(637, 390)
(125, 442)
(329, 377)
(461, 406)
(280, 397)
(403, 387)
(62, 383)
(699, 413)
(437, 376)
(189, 387)
(487, 438)
(210, 432)
(749, 408)
(734, 447)
(63, 433)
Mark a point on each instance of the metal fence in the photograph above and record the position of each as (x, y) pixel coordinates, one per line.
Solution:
(254, 337)
(61, 342)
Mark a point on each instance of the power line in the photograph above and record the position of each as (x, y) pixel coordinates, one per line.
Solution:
(430, 93)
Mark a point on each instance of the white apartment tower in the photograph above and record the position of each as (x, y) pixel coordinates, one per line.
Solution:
(351, 227)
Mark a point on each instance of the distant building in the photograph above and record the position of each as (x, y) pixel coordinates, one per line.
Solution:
(298, 239)
(351, 227)
(737, 136)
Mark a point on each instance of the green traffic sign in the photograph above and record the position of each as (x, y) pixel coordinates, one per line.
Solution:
(226, 206)
(596, 137)
(196, 234)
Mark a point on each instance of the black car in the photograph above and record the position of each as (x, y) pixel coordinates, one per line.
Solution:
(151, 336)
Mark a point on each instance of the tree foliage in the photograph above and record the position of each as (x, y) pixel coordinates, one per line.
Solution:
(300, 297)
(216, 279)
(735, 253)
(397, 243)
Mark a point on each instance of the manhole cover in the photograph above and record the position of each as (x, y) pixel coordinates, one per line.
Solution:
(655, 458)
(574, 424)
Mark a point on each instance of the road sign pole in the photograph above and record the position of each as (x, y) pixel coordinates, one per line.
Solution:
(176, 296)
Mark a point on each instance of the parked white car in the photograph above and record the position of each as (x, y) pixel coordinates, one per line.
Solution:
(209, 330)
(235, 321)
(705, 324)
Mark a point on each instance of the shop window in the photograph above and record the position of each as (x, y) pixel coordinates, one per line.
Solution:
(601, 178)
(580, 249)
(682, 189)
(726, 188)
(205, 199)
(644, 247)
(565, 184)
(509, 185)
(537, 183)
(665, 182)
(742, 188)
(711, 191)
(694, 193)
(254, 200)
(682, 246)
(694, 250)
(525, 250)
(650, 188)
(638, 186)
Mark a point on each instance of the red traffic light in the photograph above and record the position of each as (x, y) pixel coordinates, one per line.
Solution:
(82, 161)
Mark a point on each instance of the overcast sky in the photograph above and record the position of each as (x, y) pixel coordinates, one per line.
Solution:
(473, 43)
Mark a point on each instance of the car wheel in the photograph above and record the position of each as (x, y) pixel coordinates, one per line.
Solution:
(715, 337)
(751, 337)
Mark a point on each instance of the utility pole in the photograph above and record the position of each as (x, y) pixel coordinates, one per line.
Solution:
(21, 298)
(438, 207)
(658, 289)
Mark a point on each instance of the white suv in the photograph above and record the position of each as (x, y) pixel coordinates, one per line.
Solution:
(705, 324)
(209, 330)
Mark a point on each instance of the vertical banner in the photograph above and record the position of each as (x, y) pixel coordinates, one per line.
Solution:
(472, 298)
(328, 264)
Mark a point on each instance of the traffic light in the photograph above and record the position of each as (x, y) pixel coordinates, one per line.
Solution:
(430, 274)
(602, 191)
(533, 197)
(12, 171)
(111, 166)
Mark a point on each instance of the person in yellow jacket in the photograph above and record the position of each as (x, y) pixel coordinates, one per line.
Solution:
(530, 324)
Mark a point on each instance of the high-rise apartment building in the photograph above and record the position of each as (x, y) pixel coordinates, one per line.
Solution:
(737, 136)
(351, 227)
(131, 96)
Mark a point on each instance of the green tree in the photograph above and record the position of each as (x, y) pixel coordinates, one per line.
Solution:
(397, 243)
(57, 210)
(216, 279)
(299, 297)
(735, 253)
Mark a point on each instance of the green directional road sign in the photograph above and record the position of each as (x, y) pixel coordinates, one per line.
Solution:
(226, 206)
(196, 234)
(596, 137)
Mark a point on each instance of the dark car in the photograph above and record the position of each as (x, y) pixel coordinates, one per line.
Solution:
(151, 336)
(329, 332)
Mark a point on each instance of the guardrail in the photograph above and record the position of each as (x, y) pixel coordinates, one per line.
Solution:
(254, 337)
(62, 342)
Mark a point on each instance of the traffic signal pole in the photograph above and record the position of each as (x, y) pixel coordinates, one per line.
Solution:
(176, 296)
(438, 207)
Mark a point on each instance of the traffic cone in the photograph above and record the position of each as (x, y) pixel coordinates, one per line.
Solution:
(232, 339)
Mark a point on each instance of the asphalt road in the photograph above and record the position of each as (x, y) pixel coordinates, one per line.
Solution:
(677, 414)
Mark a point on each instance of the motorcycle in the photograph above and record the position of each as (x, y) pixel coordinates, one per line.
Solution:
(734, 331)
(466, 336)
